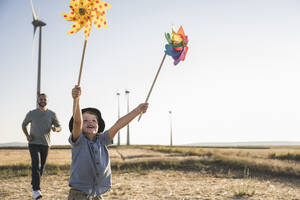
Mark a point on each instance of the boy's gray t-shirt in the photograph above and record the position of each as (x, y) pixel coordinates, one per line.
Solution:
(90, 169)
(40, 125)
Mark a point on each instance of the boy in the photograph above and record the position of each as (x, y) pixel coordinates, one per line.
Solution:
(90, 169)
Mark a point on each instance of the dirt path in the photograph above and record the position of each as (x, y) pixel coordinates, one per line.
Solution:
(155, 185)
(148, 185)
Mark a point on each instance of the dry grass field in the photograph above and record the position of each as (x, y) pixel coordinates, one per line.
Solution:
(157, 172)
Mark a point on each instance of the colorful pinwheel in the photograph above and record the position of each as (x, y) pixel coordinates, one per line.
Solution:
(176, 46)
(84, 13)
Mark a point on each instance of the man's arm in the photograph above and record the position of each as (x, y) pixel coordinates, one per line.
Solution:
(77, 116)
(123, 121)
(24, 127)
(29, 138)
(56, 128)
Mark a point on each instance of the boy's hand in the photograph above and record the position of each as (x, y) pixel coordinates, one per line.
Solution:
(142, 108)
(76, 92)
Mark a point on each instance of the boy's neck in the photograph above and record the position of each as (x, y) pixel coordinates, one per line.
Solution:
(90, 136)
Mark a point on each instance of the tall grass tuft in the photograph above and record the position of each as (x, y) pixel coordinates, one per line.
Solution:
(285, 156)
(243, 190)
(10, 171)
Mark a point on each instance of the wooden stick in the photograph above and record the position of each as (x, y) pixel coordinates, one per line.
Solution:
(81, 64)
(79, 77)
(153, 82)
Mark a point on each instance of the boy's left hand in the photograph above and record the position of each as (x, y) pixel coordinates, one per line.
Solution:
(143, 107)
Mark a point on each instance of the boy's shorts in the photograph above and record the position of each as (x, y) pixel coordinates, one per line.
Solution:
(75, 194)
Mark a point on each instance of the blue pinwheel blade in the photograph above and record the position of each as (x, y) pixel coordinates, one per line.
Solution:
(171, 52)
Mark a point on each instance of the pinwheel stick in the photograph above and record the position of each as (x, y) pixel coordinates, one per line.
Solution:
(162, 62)
(81, 64)
(80, 72)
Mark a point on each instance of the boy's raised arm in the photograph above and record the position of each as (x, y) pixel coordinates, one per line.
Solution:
(77, 115)
(123, 121)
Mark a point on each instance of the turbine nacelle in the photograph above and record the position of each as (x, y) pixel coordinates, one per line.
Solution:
(38, 23)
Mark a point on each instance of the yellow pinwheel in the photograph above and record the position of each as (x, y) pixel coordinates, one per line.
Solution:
(84, 13)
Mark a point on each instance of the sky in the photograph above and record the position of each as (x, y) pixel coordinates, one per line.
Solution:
(240, 80)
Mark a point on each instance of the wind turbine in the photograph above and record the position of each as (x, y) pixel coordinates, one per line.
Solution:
(171, 134)
(128, 136)
(37, 24)
(118, 95)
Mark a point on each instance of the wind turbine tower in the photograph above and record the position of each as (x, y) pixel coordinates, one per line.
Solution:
(171, 134)
(38, 24)
(128, 136)
(118, 95)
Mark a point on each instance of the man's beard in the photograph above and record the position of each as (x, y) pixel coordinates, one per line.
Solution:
(42, 105)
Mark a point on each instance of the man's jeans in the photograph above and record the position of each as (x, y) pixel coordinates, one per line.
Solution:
(38, 155)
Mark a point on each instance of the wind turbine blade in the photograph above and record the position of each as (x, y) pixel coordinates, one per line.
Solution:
(33, 41)
(33, 12)
(34, 30)
(38, 12)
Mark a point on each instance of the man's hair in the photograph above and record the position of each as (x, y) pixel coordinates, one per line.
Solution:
(42, 94)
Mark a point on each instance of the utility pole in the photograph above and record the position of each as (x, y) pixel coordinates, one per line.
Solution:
(118, 95)
(128, 137)
(171, 136)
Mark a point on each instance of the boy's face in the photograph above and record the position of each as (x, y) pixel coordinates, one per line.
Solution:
(90, 123)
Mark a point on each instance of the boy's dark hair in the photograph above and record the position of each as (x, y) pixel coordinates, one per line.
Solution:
(92, 113)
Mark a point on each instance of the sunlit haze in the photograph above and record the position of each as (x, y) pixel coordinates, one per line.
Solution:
(240, 80)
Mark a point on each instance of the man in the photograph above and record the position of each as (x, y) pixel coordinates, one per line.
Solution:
(42, 121)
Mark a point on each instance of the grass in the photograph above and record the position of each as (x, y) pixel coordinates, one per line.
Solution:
(231, 162)
(3, 193)
(14, 170)
(243, 191)
(140, 167)
(10, 171)
(26, 147)
(158, 165)
(286, 156)
(238, 161)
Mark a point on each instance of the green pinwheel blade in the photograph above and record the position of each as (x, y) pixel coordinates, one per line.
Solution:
(178, 45)
(168, 38)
